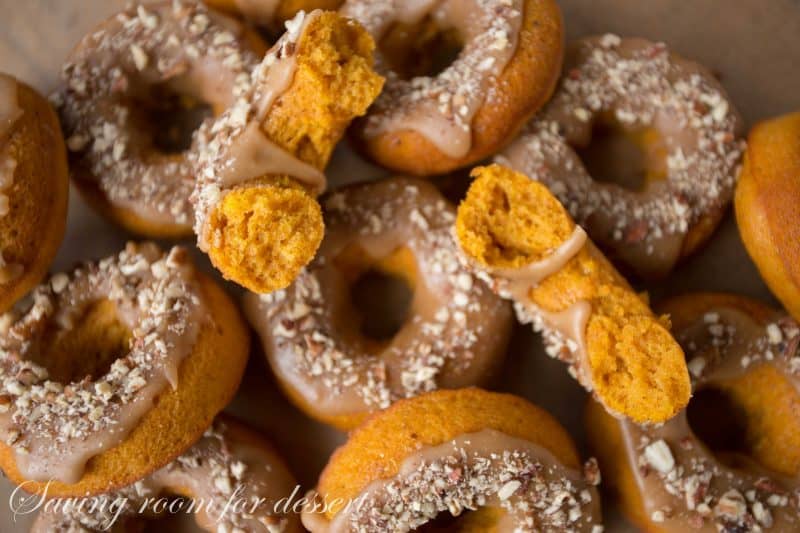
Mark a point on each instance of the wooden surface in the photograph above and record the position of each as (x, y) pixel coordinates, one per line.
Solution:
(752, 44)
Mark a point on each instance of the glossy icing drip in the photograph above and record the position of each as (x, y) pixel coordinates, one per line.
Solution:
(441, 108)
(487, 468)
(54, 428)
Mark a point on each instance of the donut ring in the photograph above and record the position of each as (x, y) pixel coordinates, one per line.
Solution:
(150, 330)
(256, 213)
(506, 71)
(521, 241)
(231, 463)
(766, 203)
(455, 450)
(682, 119)
(185, 48)
(33, 189)
(455, 334)
(271, 14)
(669, 480)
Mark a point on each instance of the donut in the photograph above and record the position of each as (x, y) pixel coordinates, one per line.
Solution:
(454, 335)
(111, 371)
(143, 64)
(508, 66)
(270, 14)
(766, 205)
(231, 480)
(731, 460)
(256, 214)
(680, 118)
(515, 235)
(33, 189)
(507, 461)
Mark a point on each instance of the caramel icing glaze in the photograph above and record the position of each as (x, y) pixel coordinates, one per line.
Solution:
(453, 337)
(219, 469)
(641, 85)
(10, 112)
(564, 331)
(441, 108)
(237, 149)
(55, 427)
(483, 469)
(683, 486)
(184, 47)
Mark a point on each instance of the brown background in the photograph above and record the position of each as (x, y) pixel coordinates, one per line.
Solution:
(752, 44)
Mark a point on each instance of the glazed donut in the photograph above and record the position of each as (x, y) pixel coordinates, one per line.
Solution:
(680, 117)
(102, 360)
(455, 334)
(271, 14)
(139, 59)
(232, 476)
(506, 70)
(767, 200)
(256, 213)
(504, 459)
(669, 479)
(33, 189)
(517, 237)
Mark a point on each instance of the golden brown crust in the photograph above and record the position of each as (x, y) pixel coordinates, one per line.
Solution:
(527, 82)
(31, 232)
(207, 380)
(766, 202)
(378, 447)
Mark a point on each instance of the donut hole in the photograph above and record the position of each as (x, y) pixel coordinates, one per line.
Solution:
(422, 49)
(169, 117)
(380, 292)
(629, 158)
(95, 339)
(719, 422)
(382, 300)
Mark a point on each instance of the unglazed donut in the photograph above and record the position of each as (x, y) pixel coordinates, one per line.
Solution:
(33, 188)
(680, 117)
(666, 477)
(141, 56)
(497, 455)
(767, 200)
(517, 237)
(271, 14)
(506, 70)
(256, 213)
(455, 334)
(230, 464)
(103, 359)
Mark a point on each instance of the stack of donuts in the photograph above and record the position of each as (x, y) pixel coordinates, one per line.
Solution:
(381, 308)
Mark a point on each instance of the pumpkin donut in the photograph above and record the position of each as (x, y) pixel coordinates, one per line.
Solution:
(232, 476)
(504, 459)
(113, 370)
(120, 82)
(33, 189)
(256, 213)
(455, 334)
(517, 237)
(505, 71)
(271, 14)
(767, 200)
(745, 366)
(681, 119)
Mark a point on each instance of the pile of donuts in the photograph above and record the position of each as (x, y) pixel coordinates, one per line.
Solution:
(177, 120)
